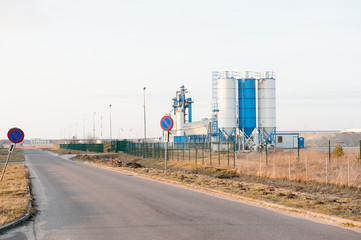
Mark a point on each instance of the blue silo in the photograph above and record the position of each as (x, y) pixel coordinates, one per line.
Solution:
(247, 105)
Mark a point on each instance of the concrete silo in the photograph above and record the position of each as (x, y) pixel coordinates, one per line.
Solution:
(267, 110)
(227, 115)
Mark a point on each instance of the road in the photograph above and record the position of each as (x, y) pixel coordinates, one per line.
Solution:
(78, 201)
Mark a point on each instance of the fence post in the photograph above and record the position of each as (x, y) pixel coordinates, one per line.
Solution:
(266, 154)
(329, 150)
(235, 158)
(210, 153)
(203, 153)
(146, 150)
(219, 154)
(228, 152)
(326, 171)
(360, 151)
(165, 157)
(306, 169)
(183, 150)
(298, 150)
(348, 173)
(196, 148)
(189, 151)
(162, 150)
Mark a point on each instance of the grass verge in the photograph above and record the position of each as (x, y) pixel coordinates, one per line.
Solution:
(15, 156)
(13, 193)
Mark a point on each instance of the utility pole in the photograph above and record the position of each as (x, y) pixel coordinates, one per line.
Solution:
(84, 129)
(145, 123)
(110, 113)
(76, 131)
(94, 125)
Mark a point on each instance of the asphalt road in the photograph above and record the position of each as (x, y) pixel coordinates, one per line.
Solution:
(78, 201)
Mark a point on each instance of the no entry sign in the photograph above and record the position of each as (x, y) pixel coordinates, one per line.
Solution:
(16, 135)
(166, 123)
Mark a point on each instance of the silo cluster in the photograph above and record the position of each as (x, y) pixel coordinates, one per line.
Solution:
(244, 109)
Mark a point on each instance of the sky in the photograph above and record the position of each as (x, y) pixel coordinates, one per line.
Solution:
(61, 61)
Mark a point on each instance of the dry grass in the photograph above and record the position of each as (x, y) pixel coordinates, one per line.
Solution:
(13, 193)
(311, 166)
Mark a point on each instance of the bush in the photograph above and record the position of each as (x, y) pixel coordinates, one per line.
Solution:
(338, 151)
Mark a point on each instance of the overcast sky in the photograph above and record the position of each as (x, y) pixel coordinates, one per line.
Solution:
(63, 60)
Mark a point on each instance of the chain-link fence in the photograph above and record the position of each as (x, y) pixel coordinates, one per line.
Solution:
(213, 154)
(320, 164)
(305, 165)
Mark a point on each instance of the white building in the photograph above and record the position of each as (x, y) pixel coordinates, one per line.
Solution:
(288, 141)
(38, 141)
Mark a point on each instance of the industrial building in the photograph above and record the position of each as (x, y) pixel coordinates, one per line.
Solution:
(289, 140)
(243, 112)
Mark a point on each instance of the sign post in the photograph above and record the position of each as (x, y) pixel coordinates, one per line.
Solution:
(15, 135)
(166, 123)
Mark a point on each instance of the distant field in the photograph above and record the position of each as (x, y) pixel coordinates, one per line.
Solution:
(15, 156)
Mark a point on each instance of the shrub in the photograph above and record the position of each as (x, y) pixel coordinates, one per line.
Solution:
(338, 151)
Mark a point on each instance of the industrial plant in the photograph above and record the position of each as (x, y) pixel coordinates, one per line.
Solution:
(243, 112)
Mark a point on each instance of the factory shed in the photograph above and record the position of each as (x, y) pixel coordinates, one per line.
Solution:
(197, 128)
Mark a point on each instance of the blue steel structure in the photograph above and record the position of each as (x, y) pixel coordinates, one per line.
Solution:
(223, 136)
(247, 106)
(189, 102)
(180, 101)
(267, 137)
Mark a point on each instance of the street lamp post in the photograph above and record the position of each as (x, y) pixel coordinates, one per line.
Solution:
(110, 113)
(84, 129)
(76, 131)
(145, 123)
(94, 125)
